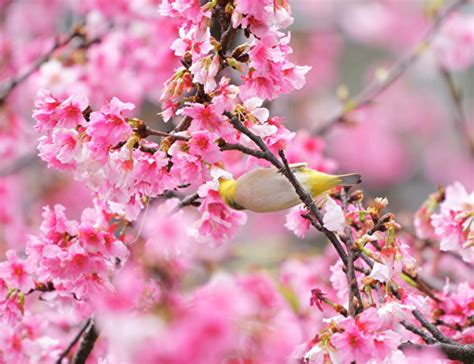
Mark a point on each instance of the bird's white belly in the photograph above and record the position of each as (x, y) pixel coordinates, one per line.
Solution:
(265, 190)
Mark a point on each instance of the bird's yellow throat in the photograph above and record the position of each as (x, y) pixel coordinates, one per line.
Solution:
(227, 189)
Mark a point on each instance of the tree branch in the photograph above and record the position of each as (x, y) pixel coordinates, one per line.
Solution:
(86, 344)
(416, 330)
(374, 89)
(437, 334)
(74, 341)
(460, 121)
(188, 200)
(464, 353)
(354, 291)
(7, 89)
(19, 164)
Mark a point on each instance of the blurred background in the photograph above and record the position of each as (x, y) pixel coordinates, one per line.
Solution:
(407, 141)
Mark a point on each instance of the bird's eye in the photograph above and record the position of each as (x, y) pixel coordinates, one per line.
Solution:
(236, 206)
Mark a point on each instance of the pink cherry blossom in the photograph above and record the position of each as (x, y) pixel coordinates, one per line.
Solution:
(218, 222)
(15, 272)
(153, 258)
(207, 117)
(353, 344)
(454, 224)
(296, 223)
(108, 127)
(203, 144)
(454, 46)
(204, 72)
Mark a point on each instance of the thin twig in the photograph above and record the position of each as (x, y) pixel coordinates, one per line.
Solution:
(354, 291)
(437, 334)
(7, 89)
(234, 146)
(74, 341)
(377, 87)
(189, 200)
(460, 120)
(86, 344)
(420, 332)
(144, 131)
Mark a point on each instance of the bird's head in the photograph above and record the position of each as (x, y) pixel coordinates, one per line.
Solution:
(227, 187)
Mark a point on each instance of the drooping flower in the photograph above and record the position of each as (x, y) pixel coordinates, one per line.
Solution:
(296, 223)
(333, 218)
(218, 222)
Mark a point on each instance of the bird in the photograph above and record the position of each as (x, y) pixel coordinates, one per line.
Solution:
(267, 190)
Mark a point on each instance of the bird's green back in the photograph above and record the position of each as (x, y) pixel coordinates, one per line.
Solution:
(318, 182)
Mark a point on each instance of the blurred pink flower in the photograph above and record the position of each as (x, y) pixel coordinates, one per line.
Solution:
(454, 46)
(454, 225)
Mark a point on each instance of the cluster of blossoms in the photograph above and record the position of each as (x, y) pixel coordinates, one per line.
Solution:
(448, 217)
(108, 150)
(392, 291)
(139, 272)
(68, 264)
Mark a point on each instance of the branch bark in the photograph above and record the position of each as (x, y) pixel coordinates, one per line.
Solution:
(437, 334)
(86, 344)
(74, 341)
(464, 354)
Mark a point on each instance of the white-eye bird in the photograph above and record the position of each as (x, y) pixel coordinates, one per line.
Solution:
(267, 190)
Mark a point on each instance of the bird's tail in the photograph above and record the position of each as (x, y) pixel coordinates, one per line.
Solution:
(350, 179)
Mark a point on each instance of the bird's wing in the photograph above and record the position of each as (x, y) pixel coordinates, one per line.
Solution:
(298, 166)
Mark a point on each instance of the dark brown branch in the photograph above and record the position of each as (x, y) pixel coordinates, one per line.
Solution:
(464, 353)
(189, 200)
(234, 146)
(315, 216)
(416, 330)
(74, 341)
(374, 89)
(354, 291)
(144, 131)
(227, 38)
(7, 89)
(437, 334)
(86, 344)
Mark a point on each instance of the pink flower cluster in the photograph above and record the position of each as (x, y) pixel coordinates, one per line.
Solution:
(454, 46)
(76, 258)
(67, 264)
(109, 152)
(453, 225)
